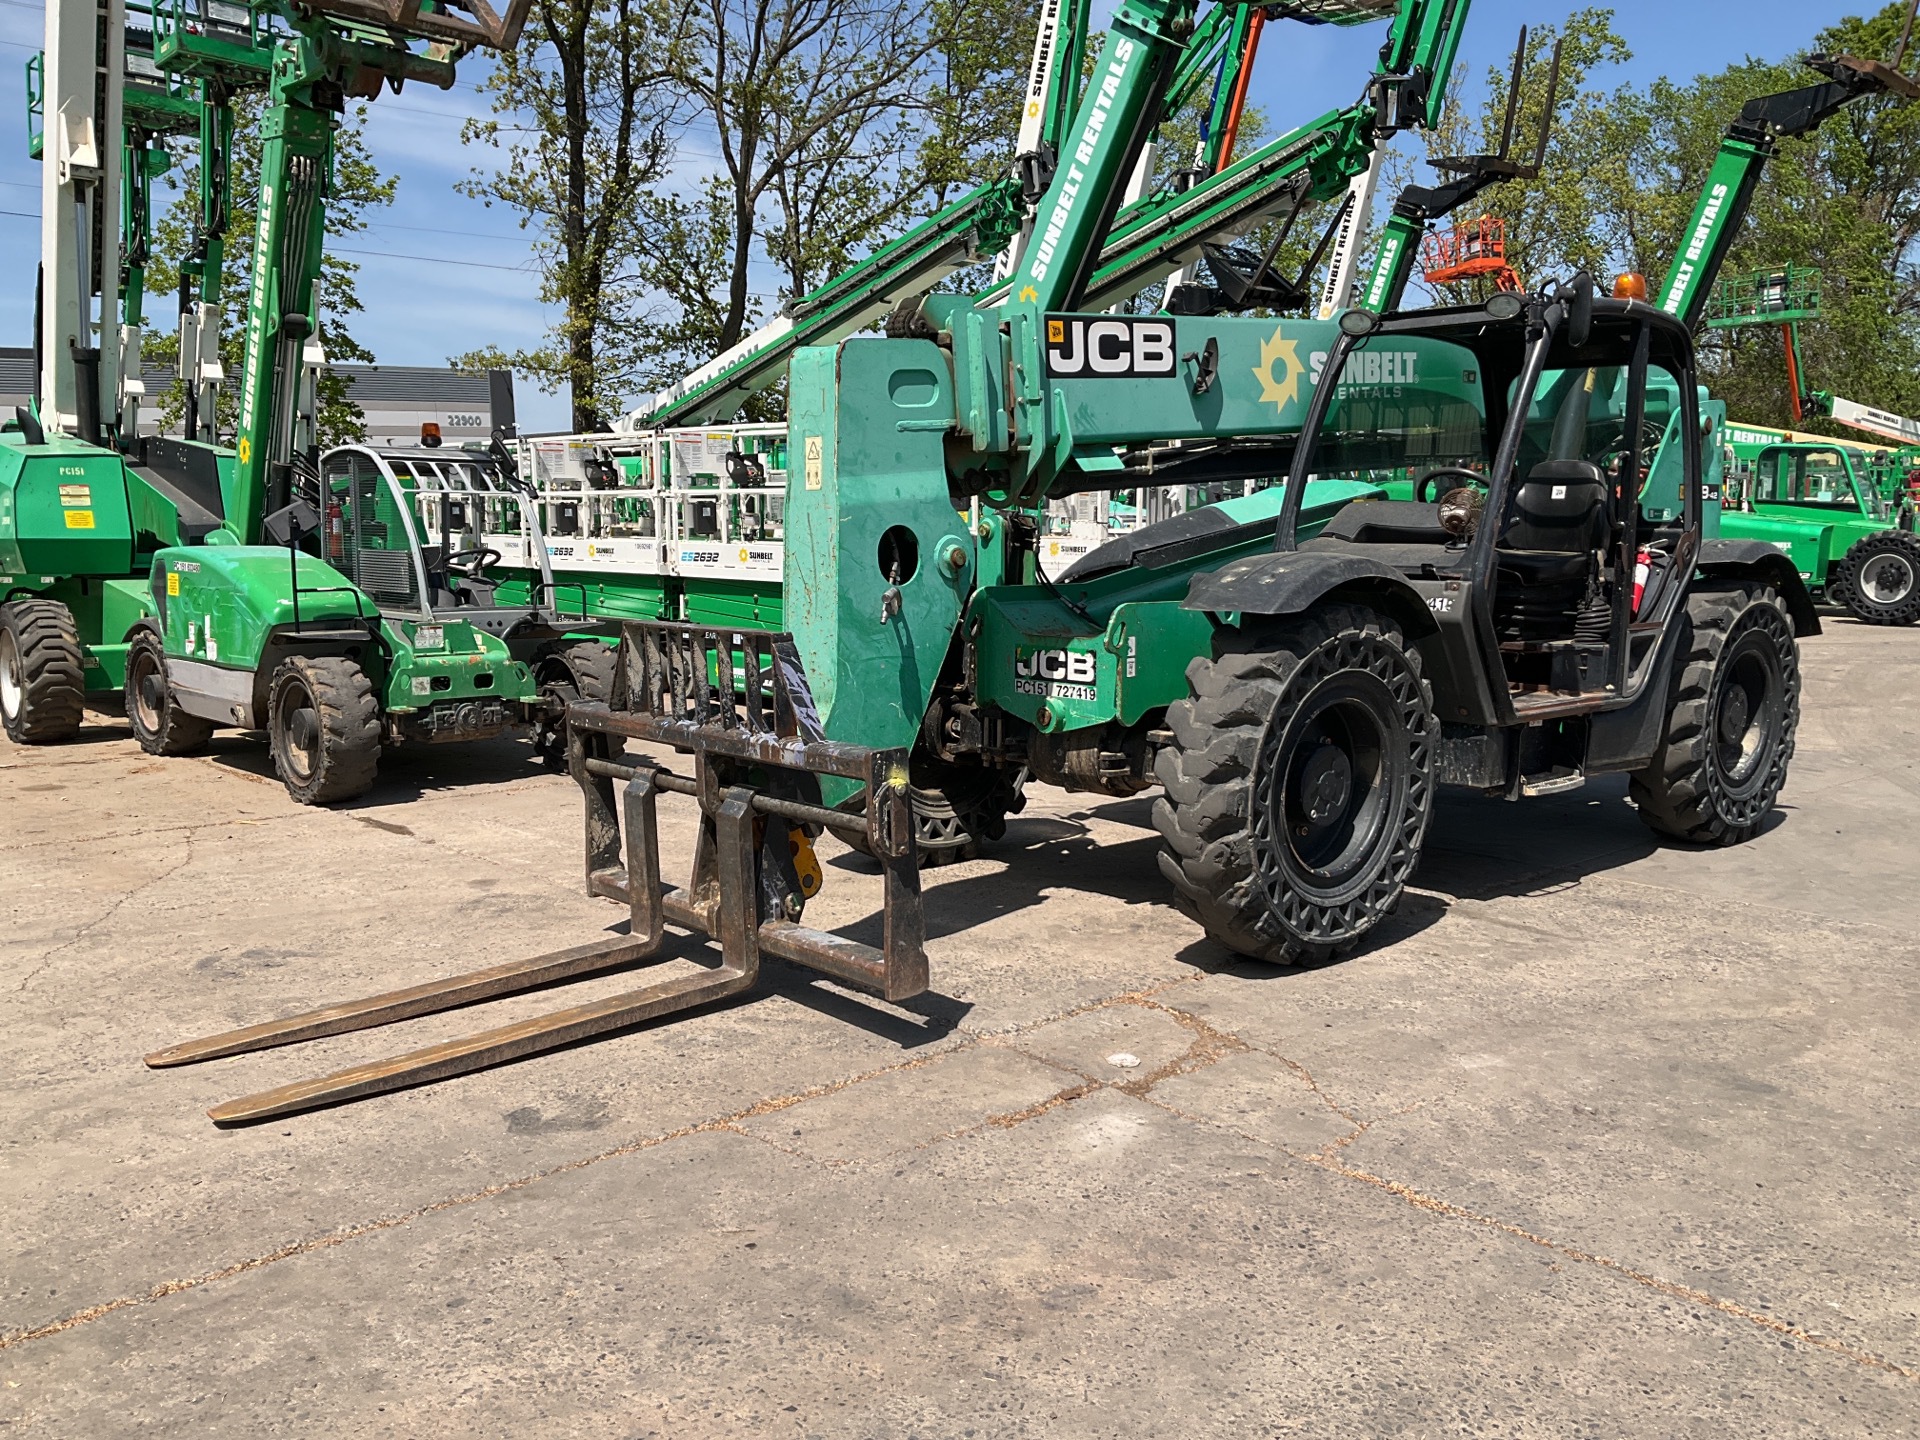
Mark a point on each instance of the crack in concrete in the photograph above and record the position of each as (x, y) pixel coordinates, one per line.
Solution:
(1326, 1159)
(46, 959)
(68, 841)
(1209, 1046)
(311, 1244)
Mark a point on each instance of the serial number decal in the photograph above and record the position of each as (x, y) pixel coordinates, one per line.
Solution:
(1058, 674)
(1053, 690)
(1084, 347)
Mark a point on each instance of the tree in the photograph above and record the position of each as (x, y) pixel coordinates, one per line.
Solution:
(358, 188)
(1624, 170)
(590, 81)
(782, 142)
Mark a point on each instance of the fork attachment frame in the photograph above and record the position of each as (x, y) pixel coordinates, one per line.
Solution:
(757, 751)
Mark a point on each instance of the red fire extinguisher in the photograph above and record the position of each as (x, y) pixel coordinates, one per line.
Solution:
(335, 539)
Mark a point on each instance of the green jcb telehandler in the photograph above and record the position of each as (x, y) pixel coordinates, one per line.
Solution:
(1300, 692)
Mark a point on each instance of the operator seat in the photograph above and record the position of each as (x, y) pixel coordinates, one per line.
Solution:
(1548, 552)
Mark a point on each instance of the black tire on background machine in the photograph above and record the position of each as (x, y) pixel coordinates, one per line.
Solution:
(1337, 670)
(43, 690)
(583, 670)
(160, 725)
(1893, 547)
(1695, 788)
(339, 758)
(955, 814)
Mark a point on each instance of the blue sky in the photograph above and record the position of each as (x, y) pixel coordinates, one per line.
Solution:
(421, 310)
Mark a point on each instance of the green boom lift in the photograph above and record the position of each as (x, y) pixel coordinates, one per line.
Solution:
(1807, 500)
(351, 629)
(1299, 700)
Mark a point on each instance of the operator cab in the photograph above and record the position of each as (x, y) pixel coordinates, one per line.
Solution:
(1556, 494)
(420, 530)
(1812, 477)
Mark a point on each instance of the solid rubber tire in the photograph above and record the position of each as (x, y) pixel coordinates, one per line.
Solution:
(1681, 792)
(1871, 612)
(1216, 774)
(583, 670)
(174, 732)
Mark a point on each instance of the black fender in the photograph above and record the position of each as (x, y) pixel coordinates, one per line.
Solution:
(1289, 582)
(1732, 559)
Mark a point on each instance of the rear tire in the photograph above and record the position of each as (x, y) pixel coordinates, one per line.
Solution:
(1730, 720)
(324, 727)
(43, 690)
(1879, 579)
(159, 724)
(583, 670)
(1299, 784)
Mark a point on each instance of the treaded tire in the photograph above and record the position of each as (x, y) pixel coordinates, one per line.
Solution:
(1254, 805)
(1890, 561)
(160, 725)
(583, 670)
(43, 688)
(1731, 719)
(331, 754)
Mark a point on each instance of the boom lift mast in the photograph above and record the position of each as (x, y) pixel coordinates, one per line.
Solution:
(1151, 237)
(1749, 143)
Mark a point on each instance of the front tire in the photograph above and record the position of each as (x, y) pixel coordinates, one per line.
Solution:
(43, 689)
(1299, 784)
(583, 670)
(159, 724)
(324, 727)
(1730, 720)
(1879, 579)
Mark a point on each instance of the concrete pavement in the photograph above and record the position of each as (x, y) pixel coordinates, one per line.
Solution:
(1600, 1137)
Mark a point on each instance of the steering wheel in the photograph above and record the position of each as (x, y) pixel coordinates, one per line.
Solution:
(1423, 494)
(471, 561)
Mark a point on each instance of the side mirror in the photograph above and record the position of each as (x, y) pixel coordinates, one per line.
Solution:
(1580, 311)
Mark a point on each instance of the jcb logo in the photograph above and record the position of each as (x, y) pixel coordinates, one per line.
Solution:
(1075, 667)
(1090, 348)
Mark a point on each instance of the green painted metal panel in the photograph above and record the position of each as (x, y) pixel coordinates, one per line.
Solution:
(757, 606)
(218, 603)
(868, 426)
(1130, 631)
(63, 509)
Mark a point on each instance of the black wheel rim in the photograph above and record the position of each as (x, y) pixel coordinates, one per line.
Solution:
(299, 730)
(1340, 771)
(550, 731)
(1747, 714)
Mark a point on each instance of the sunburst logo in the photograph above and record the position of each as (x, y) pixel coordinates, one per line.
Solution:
(1276, 349)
